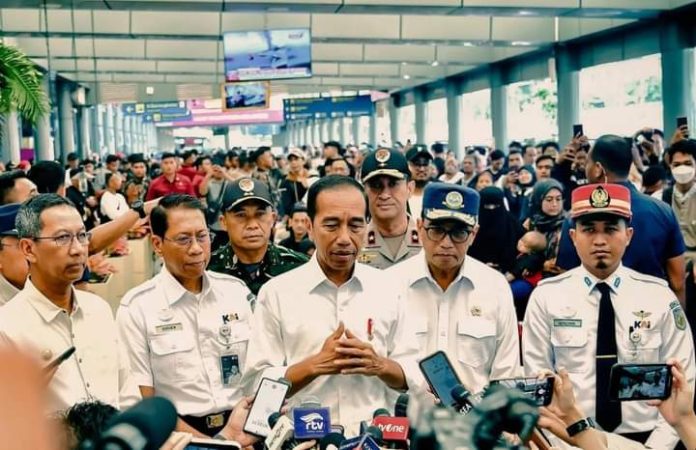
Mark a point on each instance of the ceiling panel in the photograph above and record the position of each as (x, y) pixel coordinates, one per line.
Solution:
(399, 53)
(325, 68)
(438, 27)
(337, 52)
(138, 77)
(570, 27)
(180, 48)
(111, 21)
(369, 69)
(356, 81)
(121, 65)
(65, 20)
(132, 48)
(355, 26)
(20, 19)
(162, 22)
(32, 46)
(187, 66)
(531, 29)
(191, 79)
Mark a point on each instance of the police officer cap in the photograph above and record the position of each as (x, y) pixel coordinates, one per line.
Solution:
(385, 162)
(450, 201)
(417, 151)
(608, 198)
(245, 189)
(8, 214)
(136, 158)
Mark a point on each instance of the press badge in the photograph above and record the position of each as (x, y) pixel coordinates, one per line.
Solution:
(229, 369)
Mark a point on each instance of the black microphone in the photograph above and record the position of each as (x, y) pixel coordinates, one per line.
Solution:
(331, 441)
(145, 426)
(401, 406)
(381, 412)
(461, 395)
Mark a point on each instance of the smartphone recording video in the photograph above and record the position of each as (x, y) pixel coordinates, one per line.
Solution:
(640, 382)
(538, 390)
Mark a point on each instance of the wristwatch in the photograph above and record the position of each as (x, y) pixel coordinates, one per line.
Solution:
(580, 426)
(139, 207)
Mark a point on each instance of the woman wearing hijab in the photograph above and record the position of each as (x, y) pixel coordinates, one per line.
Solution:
(499, 231)
(546, 216)
(518, 193)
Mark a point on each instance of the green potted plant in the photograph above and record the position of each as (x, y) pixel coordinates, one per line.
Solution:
(20, 86)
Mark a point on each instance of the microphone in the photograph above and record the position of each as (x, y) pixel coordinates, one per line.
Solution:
(394, 430)
(331, 441)
(145, 426)
(311, 423)
(460, 395)
(401, 406)
(282, 430)
(381, 412)
(369, 440)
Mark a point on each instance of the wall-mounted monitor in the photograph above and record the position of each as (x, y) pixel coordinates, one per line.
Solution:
(248, 95)
(268, 54)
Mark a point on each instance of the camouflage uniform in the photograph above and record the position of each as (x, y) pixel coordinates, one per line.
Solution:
(276, 261)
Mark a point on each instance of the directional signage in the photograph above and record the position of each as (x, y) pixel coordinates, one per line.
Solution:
(133, 109)
(167, 115)
(327, 107)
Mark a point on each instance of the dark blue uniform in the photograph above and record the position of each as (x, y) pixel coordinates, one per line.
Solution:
(656, 237)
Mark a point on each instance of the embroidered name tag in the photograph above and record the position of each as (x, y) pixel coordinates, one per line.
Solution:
(567, 323)
(168, 328)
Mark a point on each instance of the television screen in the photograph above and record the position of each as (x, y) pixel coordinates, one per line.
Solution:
(245, 95)
(267, 55)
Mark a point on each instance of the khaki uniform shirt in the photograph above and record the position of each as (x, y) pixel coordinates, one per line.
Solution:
(376, 252)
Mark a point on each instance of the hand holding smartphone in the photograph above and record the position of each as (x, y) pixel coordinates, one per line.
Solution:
(440, 375)
(539, 390)
(630, 382)
(268, 400)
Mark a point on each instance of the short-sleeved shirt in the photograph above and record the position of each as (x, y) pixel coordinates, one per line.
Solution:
(277, 260)
(377, 253)
(161, 186)
(656, 237)
(176, 339)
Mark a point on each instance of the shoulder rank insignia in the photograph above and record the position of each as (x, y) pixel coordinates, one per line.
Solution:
(414, 237)
(371, 239)
(678, 315)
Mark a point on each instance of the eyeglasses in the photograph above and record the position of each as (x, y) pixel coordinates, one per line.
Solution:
(457, 235)
(186, 240)
(64, 239)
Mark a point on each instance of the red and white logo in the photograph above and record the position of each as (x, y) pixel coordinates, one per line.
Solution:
(393, 428)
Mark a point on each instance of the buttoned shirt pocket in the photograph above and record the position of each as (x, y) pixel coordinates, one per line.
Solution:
(646, 350)
(475, 340)
(171, 359)
(570, 349)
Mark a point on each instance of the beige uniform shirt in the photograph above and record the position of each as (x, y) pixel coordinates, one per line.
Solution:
(7, 290)
(98, 370)
(376, 253)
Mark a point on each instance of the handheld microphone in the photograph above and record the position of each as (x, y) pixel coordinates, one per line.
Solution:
(331, 441)
(381, 412)
(282, 430)
(369, 440)
(394, 430)
(401, 406)
(145, 426)
(462, 404)
(311, 423)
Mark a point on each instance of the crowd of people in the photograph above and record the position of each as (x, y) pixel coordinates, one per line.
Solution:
(339, 268)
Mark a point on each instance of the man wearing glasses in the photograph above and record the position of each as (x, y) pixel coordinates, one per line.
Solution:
(48, 316)
(392, 236)
(458, 304)
(187, 329)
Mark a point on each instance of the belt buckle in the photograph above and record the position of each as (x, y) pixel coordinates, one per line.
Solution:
(215, 420)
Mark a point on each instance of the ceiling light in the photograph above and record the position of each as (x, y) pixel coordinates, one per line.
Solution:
(53, 6)
(435, 63)
(526, 12)
(468, 44)
(403, 63)
(149, 90)
(407, 77)
(521, 43)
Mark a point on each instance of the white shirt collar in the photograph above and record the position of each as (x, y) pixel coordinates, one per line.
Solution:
(43, 305)
(174, 291)
(465, 271)
(614, 281)
(316, 277)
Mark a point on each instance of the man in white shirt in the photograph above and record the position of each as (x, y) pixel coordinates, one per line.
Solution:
(187, 329)
(49, 316)
(113, 204)
(458, 304)
(602, 313)
(330, 326)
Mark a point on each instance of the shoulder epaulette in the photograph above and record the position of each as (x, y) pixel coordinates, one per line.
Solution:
(556, 279)
(137, 291)
(647, 278)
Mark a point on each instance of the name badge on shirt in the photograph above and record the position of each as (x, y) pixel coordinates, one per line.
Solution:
(168, 328)
(567, 323)
(229, 369)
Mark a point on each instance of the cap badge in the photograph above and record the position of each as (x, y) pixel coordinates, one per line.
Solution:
(246, 185)
(382, 155)
(599, 198)
(454, 200)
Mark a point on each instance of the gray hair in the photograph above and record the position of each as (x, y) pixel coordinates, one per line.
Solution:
(28, 220)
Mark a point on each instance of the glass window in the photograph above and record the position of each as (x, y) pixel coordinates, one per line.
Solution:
(383, 123)
(532, 110)
(407, 124)
(621, 97)
(476, 118)
(436, 125)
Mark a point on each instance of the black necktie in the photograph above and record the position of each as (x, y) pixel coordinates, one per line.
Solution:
(608, 413)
